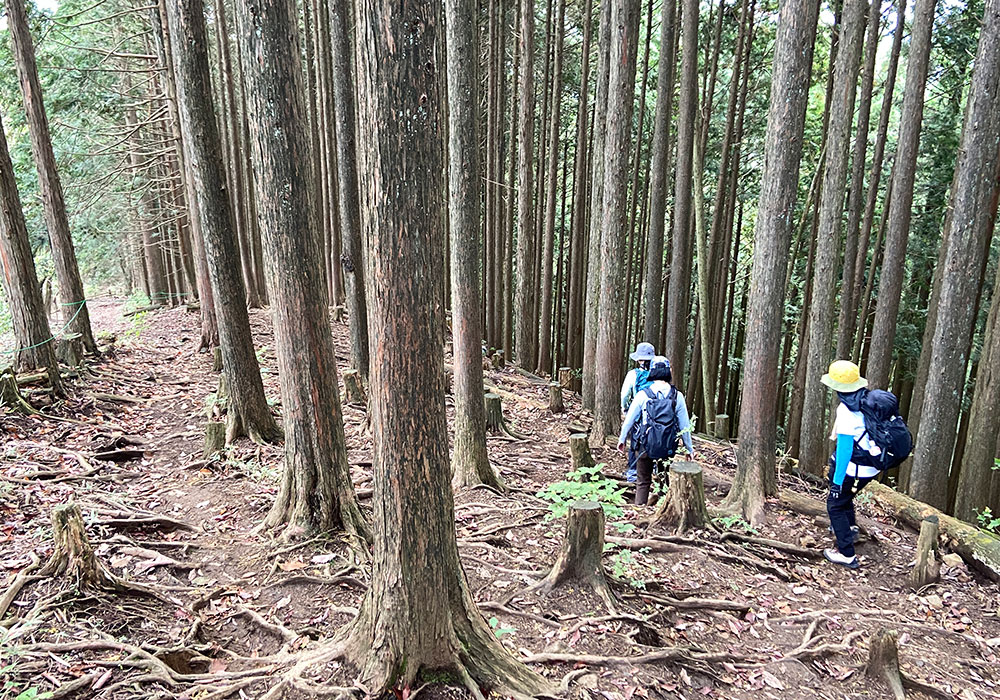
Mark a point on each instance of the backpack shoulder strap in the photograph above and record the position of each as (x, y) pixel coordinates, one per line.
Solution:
(648, 391)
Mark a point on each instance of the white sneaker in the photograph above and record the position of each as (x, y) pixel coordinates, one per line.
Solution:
(836, 557)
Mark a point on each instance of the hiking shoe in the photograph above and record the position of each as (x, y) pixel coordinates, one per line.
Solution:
(832, 555)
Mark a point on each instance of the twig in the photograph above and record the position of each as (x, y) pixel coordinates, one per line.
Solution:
(498, 607)
(23, 577)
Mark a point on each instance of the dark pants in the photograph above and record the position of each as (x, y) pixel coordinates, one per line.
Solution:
(841, 511)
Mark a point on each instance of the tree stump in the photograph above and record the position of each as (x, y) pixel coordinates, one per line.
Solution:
(354, 391)
(215, 438)
(683, 507)
(498, 362)
(555, 398)
(579, 450)
(73, 556)
(928, 566)
(565, 377)
(495, 422)
(10, 395)
(722, 426)
(69, 349)
(883, 662)
(217, 359)
(579, 559)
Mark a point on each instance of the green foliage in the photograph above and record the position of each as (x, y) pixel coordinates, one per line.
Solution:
(996, 465)
(33, 694)
(136, 300)
(987, 521)
(625, 566)
(140, 322)
(585, 484)
(731, 522)
(499, 631)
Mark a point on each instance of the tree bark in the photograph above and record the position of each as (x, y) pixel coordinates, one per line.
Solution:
(71, 294)
(248, 412)
(621, 96)
(418, 614)
(678, 295)
(592, 318)
(545, 312)
(928, 565)
(579, 558)
(524, 331)
(755, 473)
(20, 281)
(352, 260)
(470, 462)
(967, 237)
(813, 442)
(316, 492)
(891, 276)
(683, 507)
(658, 171)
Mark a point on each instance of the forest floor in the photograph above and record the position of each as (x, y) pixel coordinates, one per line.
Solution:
(229, 593)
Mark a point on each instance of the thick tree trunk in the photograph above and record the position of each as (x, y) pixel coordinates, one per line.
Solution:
(352, 260)
(658, 172)
(418, 614)
(624, 26)
(967, 236)
(545, 312)
(678, 295)
(813, 442)
(755, 473)
(20, 281)
(907, 149)
(71, 295)
(248, 412)
(470, 462)
(524, 331)
(316, 491)
(593, 315)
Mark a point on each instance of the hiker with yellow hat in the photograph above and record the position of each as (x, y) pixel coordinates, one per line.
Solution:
(847, 477)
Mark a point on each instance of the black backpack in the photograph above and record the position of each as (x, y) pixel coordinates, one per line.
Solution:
(658, 431)
(886, 428)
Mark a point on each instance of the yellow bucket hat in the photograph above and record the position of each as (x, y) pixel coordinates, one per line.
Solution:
(844, 376)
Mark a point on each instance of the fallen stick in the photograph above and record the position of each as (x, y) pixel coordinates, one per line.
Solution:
(677, 654)
(22, 577)
(774, 544)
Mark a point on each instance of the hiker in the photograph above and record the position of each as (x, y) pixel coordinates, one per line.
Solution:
(636, 380)
(657, 415)
(871, 437)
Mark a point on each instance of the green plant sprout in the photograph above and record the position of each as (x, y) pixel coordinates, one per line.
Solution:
(584, 484)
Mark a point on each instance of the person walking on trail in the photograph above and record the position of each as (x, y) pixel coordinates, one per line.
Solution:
(655, 419)
(636, 380)
(853, 444)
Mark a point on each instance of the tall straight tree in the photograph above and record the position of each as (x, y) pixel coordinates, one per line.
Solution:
(470, 461)
(790, 77)
(592, 317)
(901, 203)
(71, 295)
(658, 172)
(347, 179)
(418, 614)
(525, 332)
(248, 412)
(624, 29)
(965, 240)
(20, 281)
(316, 492)
(845, 80)
(545, 311)
(679, 293)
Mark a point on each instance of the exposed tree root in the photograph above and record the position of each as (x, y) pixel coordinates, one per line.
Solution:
(774, 544)
(674, 655)
(23, 577)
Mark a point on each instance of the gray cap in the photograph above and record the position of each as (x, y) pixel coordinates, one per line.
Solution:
(643, 351)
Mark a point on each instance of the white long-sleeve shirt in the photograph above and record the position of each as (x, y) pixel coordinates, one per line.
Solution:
(629, 387)
(661, 389)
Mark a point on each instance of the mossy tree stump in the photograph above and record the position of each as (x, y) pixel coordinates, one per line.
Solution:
(883, 662)
(683, 507)
(73, 555)
(579, 450)
(354, 390)
(579, 559)
(495, 422)
(722, 426)
(928, 565)
(555, 398)
(215, 438)
(10, 395)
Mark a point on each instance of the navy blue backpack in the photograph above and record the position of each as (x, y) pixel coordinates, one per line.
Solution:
(658, 432)
(886, 428)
